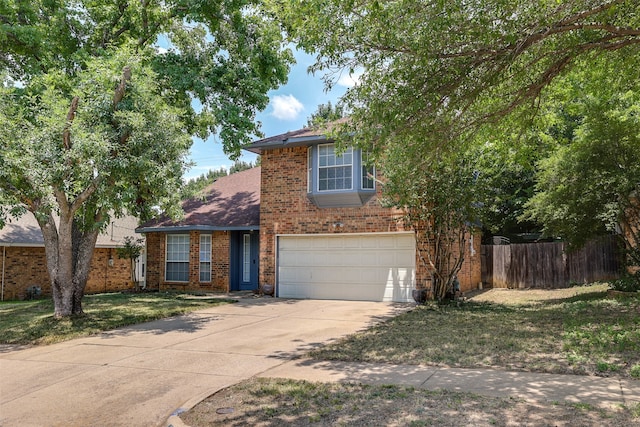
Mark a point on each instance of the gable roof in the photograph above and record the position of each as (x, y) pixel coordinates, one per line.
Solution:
(25, 231)
(232, 202)
(296, 138)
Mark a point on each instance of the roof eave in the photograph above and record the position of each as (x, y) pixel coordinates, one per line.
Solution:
(299, 141)
(183, 228)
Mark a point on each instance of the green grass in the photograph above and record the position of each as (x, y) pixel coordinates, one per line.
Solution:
(581, 334)
(32, 322)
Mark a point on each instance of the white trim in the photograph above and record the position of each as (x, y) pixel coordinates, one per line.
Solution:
(246, 258)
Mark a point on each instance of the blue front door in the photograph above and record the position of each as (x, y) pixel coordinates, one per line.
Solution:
(245, 247)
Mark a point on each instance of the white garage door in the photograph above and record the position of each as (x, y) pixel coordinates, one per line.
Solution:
(360, 267)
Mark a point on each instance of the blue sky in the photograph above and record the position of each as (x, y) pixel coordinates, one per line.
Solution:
(288, 109)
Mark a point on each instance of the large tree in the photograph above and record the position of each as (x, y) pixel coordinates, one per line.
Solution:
(589, 184)
(441, 70)
(99, 101)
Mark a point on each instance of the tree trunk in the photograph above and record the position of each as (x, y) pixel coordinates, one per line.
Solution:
(69, 252)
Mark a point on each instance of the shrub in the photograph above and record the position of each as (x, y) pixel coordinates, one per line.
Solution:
(629, 283)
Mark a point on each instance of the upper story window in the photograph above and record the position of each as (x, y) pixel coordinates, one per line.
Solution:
(335, 172)
(338, 179)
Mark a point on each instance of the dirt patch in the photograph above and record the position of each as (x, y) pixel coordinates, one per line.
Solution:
(535, 296)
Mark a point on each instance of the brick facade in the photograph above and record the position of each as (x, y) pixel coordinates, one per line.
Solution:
(285, 209)
(26, 266)
(220, 268)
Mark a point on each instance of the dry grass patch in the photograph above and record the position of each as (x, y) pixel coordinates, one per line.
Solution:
(276, 402)
(573, 331)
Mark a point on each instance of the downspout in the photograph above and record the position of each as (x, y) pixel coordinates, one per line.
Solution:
(4, 255)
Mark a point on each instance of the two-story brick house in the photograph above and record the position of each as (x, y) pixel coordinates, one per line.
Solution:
(323, 231)
(308, 221)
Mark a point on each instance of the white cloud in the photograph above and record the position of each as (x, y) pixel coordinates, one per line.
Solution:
(286, 107)
(350, 79)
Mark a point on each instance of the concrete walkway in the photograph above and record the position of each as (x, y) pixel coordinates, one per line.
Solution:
(488, 382)
(140, 375)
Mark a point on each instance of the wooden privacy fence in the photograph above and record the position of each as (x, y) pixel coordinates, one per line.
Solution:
(549, 265)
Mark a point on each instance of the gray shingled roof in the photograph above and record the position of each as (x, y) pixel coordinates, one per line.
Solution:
(25, 231)
(232, 202)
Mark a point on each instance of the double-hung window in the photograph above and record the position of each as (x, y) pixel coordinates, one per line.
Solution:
(177, 267)
(205, 258)
(335, 172)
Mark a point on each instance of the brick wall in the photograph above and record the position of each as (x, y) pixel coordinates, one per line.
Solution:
(285, 209)
(156, 250)
(26, 266)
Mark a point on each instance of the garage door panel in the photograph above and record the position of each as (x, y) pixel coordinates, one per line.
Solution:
(374, 267)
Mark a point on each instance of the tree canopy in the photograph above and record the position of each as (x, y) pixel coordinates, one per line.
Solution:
(99, 101)
(588, 184)
(326, 113)
(443, 69)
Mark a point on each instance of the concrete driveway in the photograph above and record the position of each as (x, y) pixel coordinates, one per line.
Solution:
(140, 375)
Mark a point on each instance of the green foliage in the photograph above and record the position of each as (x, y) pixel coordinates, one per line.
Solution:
(98, 119)
(118, 157)
(441, 77)
(194, 186)
(627, 283)
(438, 198)
(445, 69)
(326, 113)
(132, 248)
(588, 184)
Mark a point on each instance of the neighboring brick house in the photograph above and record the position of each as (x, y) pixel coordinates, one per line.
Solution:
(23, 263)
(215, 246)
(323, 231)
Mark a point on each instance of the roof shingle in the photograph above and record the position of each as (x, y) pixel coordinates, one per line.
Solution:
(231, 202)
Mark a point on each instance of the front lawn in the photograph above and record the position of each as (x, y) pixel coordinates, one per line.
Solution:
(573, 331)
(576, 330)
(32, 322)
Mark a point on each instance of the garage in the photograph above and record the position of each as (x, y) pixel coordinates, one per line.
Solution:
(358, 267)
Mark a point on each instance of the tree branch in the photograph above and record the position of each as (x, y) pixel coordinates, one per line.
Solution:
(66, 134)
(86, 193)
(107, 36)
(120, 90)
